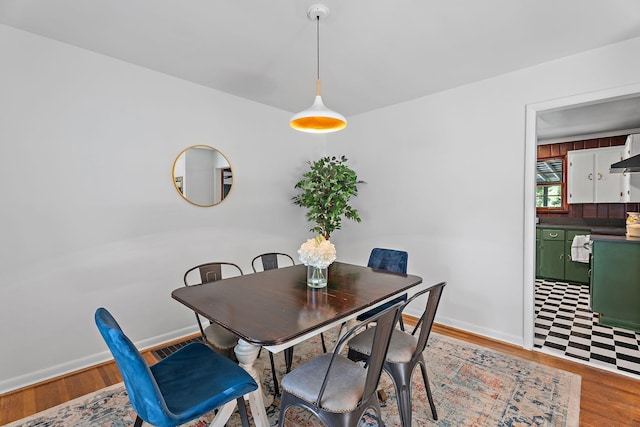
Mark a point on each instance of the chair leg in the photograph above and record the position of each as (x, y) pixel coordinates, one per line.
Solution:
(324, 346)
(138, 422)
(288, 358)
(242, 409)
(428, 389)
(276, 388)
(404, 403)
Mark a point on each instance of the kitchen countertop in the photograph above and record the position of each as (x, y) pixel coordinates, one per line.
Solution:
(593, 229)
(610, 238)
(598, 232)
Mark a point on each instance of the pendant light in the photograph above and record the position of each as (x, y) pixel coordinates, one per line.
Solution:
(318, 118)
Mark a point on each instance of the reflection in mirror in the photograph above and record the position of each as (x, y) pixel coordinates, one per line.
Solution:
(202, 175)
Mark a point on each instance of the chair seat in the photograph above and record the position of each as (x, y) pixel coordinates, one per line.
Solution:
(344, 388)
(183, 371)
(220, 337)
(401, 348)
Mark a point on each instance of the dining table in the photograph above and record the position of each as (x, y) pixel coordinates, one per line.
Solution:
(276, 309)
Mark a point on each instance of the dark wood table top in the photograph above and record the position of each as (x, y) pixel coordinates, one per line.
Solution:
(277, 306)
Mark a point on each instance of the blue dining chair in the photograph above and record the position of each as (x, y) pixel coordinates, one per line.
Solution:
(389, 260)
(184, 386)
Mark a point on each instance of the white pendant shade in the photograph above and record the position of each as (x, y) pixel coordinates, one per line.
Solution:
(318, 118)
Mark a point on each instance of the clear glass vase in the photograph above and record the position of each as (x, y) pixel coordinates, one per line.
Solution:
(317, 277)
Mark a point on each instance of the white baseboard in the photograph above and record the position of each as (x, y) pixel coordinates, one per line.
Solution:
(71, 366)
(51, 372)
(485, 332)
(468, 327)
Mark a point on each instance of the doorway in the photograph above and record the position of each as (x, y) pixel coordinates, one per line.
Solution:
(603, 102)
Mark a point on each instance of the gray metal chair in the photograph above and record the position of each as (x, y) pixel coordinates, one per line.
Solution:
(270, 261)
(219, 338)
(335, 389)
(405, 352)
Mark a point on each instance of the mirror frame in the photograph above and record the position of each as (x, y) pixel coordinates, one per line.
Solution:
(178, 183)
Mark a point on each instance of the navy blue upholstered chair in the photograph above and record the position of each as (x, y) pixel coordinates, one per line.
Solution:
(405, 352)
(184, 386)
(389, 260)
(335, 389)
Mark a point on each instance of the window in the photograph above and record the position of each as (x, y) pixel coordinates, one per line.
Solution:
(550, 184)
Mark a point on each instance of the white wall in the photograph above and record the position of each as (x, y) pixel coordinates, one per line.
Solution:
(445, 181)
(90, 216)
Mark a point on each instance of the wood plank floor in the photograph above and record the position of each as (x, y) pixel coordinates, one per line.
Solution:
(607, 399)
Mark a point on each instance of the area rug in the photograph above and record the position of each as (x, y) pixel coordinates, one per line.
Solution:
(472, 386)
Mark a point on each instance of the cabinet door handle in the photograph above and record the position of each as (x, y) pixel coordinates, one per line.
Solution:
(553, 234)
(590, 176)
(599, 176)
(561, 256)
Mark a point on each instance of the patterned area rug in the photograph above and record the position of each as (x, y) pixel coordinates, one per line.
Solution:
(472, 386)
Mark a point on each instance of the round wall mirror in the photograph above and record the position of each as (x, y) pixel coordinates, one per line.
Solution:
(202, 175)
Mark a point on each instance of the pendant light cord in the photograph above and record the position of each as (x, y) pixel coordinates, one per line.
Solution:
(318, 44)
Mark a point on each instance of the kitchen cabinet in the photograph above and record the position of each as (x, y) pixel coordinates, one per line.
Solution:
(615, 282)
(574, 271)
(553, 255)
(588, 177)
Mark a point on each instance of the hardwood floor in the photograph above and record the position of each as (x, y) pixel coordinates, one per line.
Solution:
(607, 399)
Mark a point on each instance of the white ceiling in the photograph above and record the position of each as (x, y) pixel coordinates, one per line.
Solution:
(373, 53)
(607, 117)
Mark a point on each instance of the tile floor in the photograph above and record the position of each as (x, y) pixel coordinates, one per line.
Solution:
(565, 323)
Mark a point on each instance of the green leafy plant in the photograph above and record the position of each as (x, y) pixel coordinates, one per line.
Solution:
(325, 190)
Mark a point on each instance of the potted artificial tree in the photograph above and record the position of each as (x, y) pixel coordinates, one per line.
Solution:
(325, 190)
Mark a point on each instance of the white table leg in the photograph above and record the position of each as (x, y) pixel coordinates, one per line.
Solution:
(223, 415)
(247, 354)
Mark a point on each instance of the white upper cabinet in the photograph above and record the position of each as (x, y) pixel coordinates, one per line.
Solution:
(588, 177)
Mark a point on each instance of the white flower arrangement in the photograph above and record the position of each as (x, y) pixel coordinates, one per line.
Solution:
(317, 252)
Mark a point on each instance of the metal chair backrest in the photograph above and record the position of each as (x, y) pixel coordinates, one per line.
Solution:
(385, 323)
(270, 261)
(209, 272)
(429, 314)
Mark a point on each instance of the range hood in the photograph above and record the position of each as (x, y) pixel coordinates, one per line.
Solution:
(632, 164)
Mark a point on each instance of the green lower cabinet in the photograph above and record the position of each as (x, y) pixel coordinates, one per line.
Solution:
(553, 256)
(552, 259)
(615, 283)
(574, 271)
